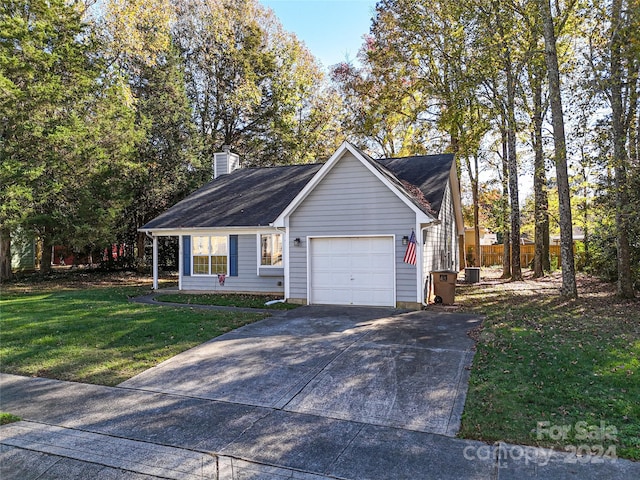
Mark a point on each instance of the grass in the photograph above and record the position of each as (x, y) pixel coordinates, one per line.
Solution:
(94, 334)
(569, 364)
(8, 418)
(226, 300)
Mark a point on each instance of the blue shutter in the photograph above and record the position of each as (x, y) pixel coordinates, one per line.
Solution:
(186, 255)
(233, 255)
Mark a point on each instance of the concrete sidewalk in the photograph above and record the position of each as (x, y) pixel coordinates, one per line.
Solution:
(89, 431)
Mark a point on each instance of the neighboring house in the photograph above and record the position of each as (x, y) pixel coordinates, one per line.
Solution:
(332, 233)
(23, 252)
(578, 236)
(486, 237)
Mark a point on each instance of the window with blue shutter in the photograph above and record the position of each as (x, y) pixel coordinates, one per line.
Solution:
(186, 255)
(233, 255)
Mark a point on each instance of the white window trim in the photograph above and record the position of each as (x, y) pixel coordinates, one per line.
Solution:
(210, 274)
(259, 251)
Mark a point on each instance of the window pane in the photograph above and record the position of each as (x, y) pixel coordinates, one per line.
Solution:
(209, 255)
(200, 246)
(219, 264)
(271, 250)
(201, 265)
(265, 249)
(218, 245)
(276, 259)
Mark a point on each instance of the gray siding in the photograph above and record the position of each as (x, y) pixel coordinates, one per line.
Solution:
(440, 249)
(350, 200)
(247, 279)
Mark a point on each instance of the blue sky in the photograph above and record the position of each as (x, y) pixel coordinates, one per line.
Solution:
(331, 29)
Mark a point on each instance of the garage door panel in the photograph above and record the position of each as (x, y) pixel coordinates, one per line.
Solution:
(379, 247)
(331, 296)
(352, 271)
(329, 280)
(378, 262)
(360, 262)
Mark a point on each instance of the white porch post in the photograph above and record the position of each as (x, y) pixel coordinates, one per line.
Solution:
(155, 262)
(180, 261)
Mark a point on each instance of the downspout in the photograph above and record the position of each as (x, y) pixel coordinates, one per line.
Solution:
(422, 230)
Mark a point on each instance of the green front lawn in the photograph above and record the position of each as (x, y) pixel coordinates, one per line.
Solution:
(95, 335)
(555, 373)
(225, 300)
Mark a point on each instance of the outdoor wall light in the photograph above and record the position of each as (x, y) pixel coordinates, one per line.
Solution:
(296, 242)
(405, 240)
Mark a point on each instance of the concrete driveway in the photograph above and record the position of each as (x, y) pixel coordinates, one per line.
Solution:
(370, 365)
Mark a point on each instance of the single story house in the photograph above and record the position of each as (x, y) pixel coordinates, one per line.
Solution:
(351, 231)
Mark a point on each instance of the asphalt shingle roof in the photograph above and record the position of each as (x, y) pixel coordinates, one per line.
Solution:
(427, 172)
(250, 197)
(247, 197)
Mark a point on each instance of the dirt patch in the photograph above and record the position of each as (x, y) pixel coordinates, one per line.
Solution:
(594, 296)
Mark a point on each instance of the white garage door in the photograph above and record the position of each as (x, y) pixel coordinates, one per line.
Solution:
(352, 271)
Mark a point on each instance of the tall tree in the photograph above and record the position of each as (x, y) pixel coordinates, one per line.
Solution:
(59, 124)
(535, 104)
(381, 108)
(251, 84)
(569, 286)
(505, 42)
(622, 20)
(169, 160)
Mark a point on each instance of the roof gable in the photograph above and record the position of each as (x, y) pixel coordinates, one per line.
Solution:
(383, 174)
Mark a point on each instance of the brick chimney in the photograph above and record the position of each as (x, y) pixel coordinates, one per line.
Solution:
(225, 162)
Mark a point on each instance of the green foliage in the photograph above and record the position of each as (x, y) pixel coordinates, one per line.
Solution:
(67, 131)
(252, 85)
(8, 418)
(169, 162)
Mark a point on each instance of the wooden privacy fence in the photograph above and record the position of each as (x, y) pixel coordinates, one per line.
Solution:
(492, 254)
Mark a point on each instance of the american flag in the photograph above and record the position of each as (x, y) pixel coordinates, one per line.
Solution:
(410, 254)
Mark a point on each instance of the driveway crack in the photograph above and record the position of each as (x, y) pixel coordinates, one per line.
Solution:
(319, 372)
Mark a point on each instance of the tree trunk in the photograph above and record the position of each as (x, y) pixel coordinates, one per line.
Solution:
(516, 269)
(141, 239)
(473, 178)
(45, 261)
(539, 181)
(506, 242)
(569, 287)
(625, 284)
(5, 254)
